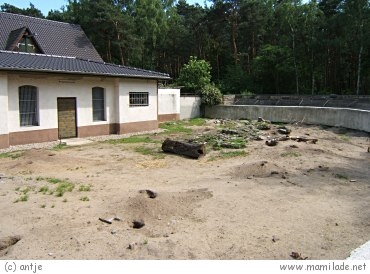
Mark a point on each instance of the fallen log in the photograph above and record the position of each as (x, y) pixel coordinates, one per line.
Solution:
(185, 149)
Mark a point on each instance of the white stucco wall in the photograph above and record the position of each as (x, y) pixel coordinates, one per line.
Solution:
(3, 104)
(168, 101)
(129, 114)
(52, 87)
(190, 107)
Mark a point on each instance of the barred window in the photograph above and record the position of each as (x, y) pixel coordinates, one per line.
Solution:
(98, 102)
(28, 106)
(139, 99)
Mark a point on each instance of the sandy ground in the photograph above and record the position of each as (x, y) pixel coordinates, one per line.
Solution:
(312, 199)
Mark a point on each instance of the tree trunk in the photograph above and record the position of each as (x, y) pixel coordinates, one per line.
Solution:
(234, 25)
(359, 71)
(186, 149)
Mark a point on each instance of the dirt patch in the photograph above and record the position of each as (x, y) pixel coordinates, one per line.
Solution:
(257, 169)
(250, 202)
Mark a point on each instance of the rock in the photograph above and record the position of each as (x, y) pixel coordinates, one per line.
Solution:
(271, 142)
(138, 224)
(260, 138)
(297, 256)
(9, 241)
(229, 132)
(275, 239)
(284, 130)
(151, 194)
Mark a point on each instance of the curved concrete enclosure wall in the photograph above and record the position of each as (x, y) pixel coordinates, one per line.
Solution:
(339, 117)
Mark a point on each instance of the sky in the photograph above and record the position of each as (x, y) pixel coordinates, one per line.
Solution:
(46, 5)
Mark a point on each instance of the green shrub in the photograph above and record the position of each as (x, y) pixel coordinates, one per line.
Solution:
(195, 75)
(211, 95)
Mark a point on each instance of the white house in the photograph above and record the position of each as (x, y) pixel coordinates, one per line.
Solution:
(54, 84)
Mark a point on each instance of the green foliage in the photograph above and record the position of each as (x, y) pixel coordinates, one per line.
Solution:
(210, 95)
(60, 146)
(232, 154)
(23, 198)
(196, 122)
(84, 188)
(175, 127)
(228, 154)
(12, 155)
(30, 11)
(232, 143)
(133, 140)
(54, 180)
(195, 75)
(263, 125)
(341, 176)
(235, 81)
(274, 63)
(63, 188)
(155, 152)
(84, 199)
(44, 189)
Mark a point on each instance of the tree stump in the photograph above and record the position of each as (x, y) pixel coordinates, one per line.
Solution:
(186, 149)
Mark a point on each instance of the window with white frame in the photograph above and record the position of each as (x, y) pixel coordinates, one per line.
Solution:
(98, 103)
(28, 106)
(139, 99)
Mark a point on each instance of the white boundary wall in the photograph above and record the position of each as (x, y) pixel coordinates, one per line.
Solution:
(168, 101)
(190, 107)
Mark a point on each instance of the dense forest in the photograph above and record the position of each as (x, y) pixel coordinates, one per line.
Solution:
(252, 46)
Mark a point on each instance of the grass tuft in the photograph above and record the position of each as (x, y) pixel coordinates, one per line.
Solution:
(84, 199)
(23, 198)
(59, 146)
(133, 140)
(175, 127)
(84, 188)
(228, 154)
(44, 189)
(63, 188)
(12, 155)
(291, 154)
(152, 151)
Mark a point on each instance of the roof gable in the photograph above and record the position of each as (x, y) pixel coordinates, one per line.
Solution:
(22, 36)
(54, 38)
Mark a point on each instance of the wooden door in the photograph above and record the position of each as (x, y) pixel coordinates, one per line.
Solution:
(67, 125)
